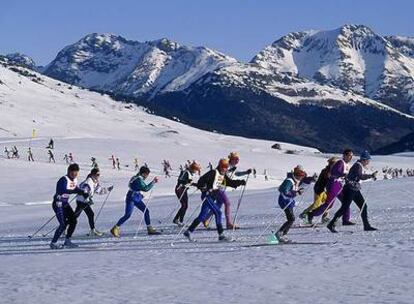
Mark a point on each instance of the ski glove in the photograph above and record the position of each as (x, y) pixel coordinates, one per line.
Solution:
(110, 188)
(300, 191)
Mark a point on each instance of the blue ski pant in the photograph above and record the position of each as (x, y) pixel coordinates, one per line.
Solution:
(129, 207)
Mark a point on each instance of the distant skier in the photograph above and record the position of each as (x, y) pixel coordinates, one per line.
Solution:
(94, 163)
(166, 168)
(51, 144)
(71, 160)
(30, 155)
(135, 198)
(352, 192)
(185, 179)
(118, 164)
(136, 164)
(265, 173)
(113, 159)
(7, 152)
(15, 152)
(210, 184)
(66, 186)
(51, 156)
(90, 186)
(66, 159)
(210, 166)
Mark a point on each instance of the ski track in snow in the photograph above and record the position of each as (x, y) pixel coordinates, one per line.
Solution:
(374, 267)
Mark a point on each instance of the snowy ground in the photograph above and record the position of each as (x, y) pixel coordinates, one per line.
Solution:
(361, 267)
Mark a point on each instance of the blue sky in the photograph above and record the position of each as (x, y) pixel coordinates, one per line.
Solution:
(237, 28)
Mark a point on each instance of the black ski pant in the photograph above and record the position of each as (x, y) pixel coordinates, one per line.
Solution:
(350, 195)
(81, 206)
(66, 217)
(182, 195)
(290, 219)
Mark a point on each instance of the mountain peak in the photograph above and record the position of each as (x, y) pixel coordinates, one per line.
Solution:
(165, 44)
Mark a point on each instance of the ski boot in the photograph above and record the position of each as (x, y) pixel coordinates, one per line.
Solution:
(116, 231)
(281, 238)
(55, 246)
(206, 224)
(189, 236)
(68, 244)
(331, 227)
(348, 223)
(95, 232)
(223, 238)
(178, 223)
(308, 219)
(231, 226)
(370, 228)
(325, 219)
(152, 231)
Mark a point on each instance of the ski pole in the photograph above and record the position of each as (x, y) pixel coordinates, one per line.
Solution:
(187, 222)
(143, 214)
(239, 203)
(45, 224)
(41, 227)
(103, 204)
(277, 216)
(175, 208)
(363, 205)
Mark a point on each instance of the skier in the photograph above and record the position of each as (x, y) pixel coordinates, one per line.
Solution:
(51, 144)
(66, 186)
(7, 152)
(352, 192)
(210, 184)
(136, 164)
(185, 179)
(51, 156)
(338, 174)
(66, 159)
(15, 152)
(210, 165)
(90, 186)
(30, 155)
(166, 168)
(118, 164)
(320, 192)
(94, 164)
(135, 198)
(112, 158)
(222, 197)
(266, 177)
(70, 158)
(288, 190)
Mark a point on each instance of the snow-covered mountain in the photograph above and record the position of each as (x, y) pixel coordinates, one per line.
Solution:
(352, 58)
(19, 60)
(111, 63)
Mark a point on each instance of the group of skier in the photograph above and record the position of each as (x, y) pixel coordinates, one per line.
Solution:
(337, 180)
